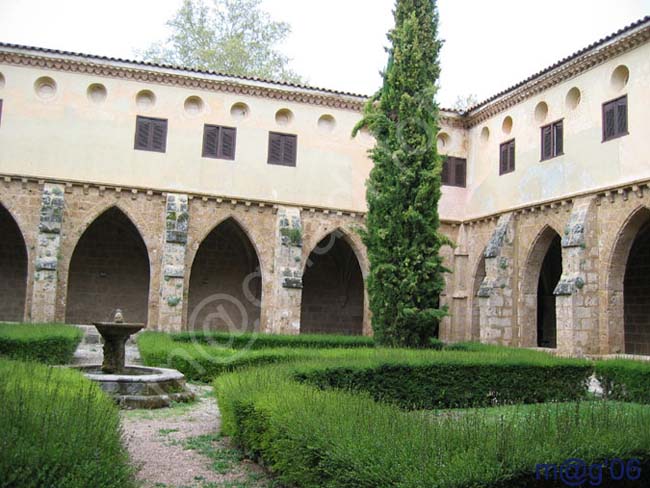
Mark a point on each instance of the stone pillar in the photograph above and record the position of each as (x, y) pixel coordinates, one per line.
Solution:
(284, 314)
(47, 253)
(496, 301)
(170, 315)
(577, 291)
(459, 308)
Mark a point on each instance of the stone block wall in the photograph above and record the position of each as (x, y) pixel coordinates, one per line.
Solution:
(172, 251)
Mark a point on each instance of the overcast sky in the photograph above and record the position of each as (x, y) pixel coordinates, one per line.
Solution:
(339, 44)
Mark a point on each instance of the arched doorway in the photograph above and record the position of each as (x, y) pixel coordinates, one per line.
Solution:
(332, 293)
(549, 277)
(109, 269)
(539, 277)
(479, 276)
(619, 274)
(13, 269)
(225, 282)
(636, 294)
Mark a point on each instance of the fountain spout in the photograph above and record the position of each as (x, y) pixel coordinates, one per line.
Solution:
(115, 335)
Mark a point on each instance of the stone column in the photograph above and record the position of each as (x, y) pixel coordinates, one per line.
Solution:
(496, 301)
(47, 253)
(284, 313)
(459, 307)
(577, 291)
(170, 315)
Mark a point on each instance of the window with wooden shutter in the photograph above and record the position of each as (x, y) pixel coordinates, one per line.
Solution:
(615, 118)
(454, 171)
(150, 134)
(507, 157)
(282, 149)
(552, 140)
(219, 142)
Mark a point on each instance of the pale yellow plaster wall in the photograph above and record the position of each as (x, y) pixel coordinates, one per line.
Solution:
(453, 201)
(587, 163)
(69, 137)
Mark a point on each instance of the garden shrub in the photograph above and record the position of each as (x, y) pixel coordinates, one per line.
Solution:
(58, 430)
(269, 341)
(445, 381)
(45, 343)
(335, 438)
(625, 380)
(200, 362)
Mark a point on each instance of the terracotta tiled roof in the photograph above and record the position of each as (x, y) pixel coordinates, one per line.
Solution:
(177, 68)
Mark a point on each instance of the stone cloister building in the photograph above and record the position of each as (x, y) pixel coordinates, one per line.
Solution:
(197, 200)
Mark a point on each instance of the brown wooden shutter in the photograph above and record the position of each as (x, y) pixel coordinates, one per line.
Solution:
(142, 133)
(558, 137)
(609, 122)
(621, 116)
(503, 159)
(511, 156)
(275, 148)
(289, 150)
(159, 137)
(282, 149)
(547, 142)
(460, 172)
(210, 141)
(227, 143)
(150, 134)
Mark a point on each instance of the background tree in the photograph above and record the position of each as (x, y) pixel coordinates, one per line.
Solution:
(228, 36)
(463, 103)
(402, 237)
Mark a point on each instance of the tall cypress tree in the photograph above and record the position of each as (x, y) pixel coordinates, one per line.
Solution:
(402, 236)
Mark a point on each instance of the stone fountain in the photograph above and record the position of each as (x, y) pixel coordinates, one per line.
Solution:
(133, 386)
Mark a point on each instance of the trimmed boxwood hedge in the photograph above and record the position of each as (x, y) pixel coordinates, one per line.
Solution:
(201, 362)
(335, 438)
(58, 430)
(270, 341)
(450, 384)
(45, 343)
(625, 380)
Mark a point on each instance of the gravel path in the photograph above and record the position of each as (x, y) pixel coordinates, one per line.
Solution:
(181, 447)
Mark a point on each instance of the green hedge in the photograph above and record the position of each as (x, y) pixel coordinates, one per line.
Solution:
(451, 384)
(201, 362)
(58, 430)
(269, 341)
(45, 343)
(625, 380)
(334, 438)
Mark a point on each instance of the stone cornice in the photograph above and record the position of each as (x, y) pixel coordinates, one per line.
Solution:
(564, 203)
(565, 70)
(134, 192)
(143, 73)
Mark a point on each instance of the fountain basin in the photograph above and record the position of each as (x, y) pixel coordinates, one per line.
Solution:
(139, 386)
